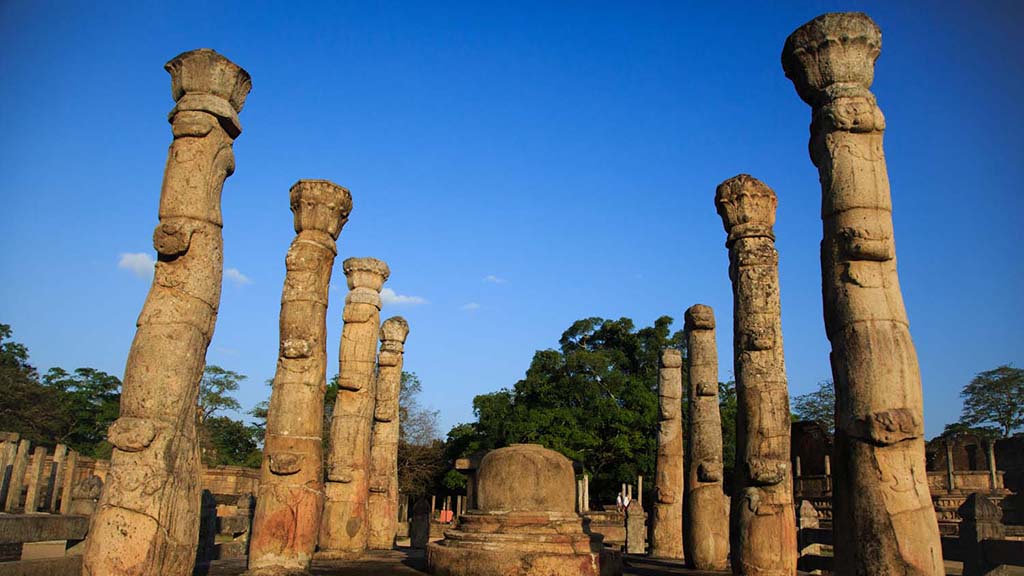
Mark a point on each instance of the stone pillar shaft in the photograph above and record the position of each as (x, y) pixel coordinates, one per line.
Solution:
(706, 522)
(147, 521)
(344, 527)
(763, 521)
(383, 499)
(290, 498)
(884, 519)
(993, 473)
(667, 524)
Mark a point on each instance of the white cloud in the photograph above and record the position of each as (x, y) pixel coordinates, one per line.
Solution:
(389, 296)
(236, 276)
(470, 306)
(139, 263)
(494, 279)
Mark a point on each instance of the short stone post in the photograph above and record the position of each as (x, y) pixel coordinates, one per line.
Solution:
(148, 516)
(883, 516)
(950, 472)
(706, 522)
(36, 480)
(18, 468)
(763, 522)
(981, 520)
(383, 498)
(419, 528)
(70, 468)
(993, 473)
(667, 522)
(286, 523)
(636, 529)
(55, 476)
(586, 493)
(344, 528)
(8, 450)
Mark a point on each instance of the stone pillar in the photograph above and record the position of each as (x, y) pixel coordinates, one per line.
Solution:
(636, 529)
(950, 472)
(291, 490)
(763, 522)
(419, 527)
(148, 516)
(882, 506)
(706, 522)
(18, 468)
(36, 479)
(54, 477)
(667, 523)
(981, 520)
(993, 474)
(640, 480)
(70, 468)
(383, 498)
(344, 528)
(586, 493)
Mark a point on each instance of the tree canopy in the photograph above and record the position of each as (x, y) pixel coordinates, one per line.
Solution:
(995, 397)
(819, 406)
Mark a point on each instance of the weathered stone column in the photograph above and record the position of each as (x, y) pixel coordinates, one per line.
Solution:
(148, 516)
(706, 523)
(291, 491)
(667, 523)
(344, 529)
(883, 509)
(763, 522)
(383, 502)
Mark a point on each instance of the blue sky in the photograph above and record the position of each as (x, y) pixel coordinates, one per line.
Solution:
(519, 165)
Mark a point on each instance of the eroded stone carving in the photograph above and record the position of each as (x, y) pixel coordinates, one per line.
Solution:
(344, 526)
(667, 524)
(882, 505)
(383, 499)
(706, 523)
(148, 517)
(763, 522)
(287, 518)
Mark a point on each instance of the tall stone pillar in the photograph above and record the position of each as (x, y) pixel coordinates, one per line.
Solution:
(291, 491)
(344, 527)
(383, 502)
(148, 517)
(763, 522)
(667, 524)
(882, 507)
(706, 523)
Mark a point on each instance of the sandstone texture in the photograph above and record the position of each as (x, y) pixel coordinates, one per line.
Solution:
(667, 523)
(148, 517)
(763, 521)
(525, 523)
(383, 498)
(344, 526)
(882, 506)
(290, 498)
(706, 523)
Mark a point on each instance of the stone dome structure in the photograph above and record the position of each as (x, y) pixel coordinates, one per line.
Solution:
(526, 478)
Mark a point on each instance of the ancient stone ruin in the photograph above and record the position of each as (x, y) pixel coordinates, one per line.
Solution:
(344, 526)
(147, 521)
(667, 523)
(383, 498)
(291, 490)
(706, 523)
(524, 522)
(882, 505)
(763, 522)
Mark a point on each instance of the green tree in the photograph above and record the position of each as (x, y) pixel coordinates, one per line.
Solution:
(819, 406)
(214, 389)
(995, 397)
(231, 442)
(26, 406)
(727, 409)
(89, 401)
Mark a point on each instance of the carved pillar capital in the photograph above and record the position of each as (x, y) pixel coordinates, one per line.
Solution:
(320, 206)
(835, 50)
(699, 317)
(747, 207)
(366, 273)
(203, 80)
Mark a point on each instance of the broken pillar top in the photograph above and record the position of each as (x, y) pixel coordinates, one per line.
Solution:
(526, 478)
(835, 49)
(747, 207)
(699, 317)
(671, 358)
(366, 273)
(320, 205)
(204, 71)
(394, 329)
(980, 507)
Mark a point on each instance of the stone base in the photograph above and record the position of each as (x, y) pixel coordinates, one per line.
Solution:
(276, 571)
(521, 544)
(338, 554)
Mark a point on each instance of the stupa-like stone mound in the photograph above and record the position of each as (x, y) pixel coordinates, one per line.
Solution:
(523, 522)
